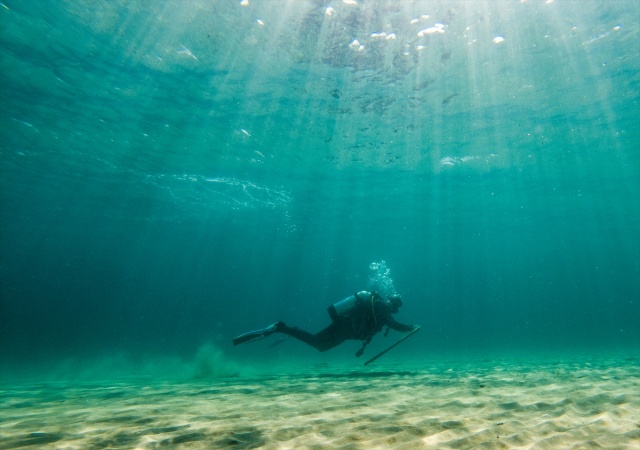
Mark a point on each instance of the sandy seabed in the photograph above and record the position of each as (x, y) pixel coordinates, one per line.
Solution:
(490, 405)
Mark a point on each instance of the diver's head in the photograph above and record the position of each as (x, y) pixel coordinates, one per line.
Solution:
(394, 302)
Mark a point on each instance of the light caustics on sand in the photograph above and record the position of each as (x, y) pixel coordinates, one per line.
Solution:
(491, 405)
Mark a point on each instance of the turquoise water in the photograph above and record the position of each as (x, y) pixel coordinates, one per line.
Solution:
(174, 173)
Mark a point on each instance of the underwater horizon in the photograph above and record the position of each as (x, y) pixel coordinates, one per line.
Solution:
(176, 173)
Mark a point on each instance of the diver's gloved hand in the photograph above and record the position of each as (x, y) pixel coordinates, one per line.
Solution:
(364, 345)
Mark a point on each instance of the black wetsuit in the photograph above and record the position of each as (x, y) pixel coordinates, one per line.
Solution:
(362, 323)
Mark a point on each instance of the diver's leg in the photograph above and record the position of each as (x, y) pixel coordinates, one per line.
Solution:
(321, 341)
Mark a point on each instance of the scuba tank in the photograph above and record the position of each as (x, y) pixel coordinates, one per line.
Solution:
(344, 307)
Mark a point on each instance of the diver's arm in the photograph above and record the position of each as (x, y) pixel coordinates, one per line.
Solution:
(393, 324)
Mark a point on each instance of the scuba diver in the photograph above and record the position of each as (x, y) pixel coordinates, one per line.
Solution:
(358, 317)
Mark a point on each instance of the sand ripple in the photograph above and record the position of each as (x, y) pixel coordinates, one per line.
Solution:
(423, 406)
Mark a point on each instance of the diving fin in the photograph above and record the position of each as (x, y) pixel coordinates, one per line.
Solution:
(256, 334)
